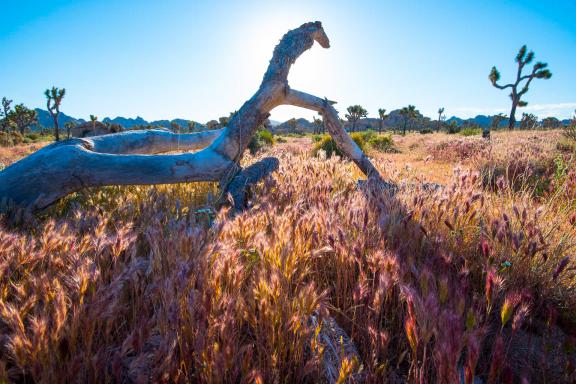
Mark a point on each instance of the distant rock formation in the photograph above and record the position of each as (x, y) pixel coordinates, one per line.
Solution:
(88, 129)
(126, 123)
(293, 126)
(301, 125)
(45, 120)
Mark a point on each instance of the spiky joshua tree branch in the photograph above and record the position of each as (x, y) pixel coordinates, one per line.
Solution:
(520, 86)
(54, 98)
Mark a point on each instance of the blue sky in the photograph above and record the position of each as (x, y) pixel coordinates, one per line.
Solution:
(202, 59)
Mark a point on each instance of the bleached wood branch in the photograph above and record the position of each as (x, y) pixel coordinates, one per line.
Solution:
(125, 158)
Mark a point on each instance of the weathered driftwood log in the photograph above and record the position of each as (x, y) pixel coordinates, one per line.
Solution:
(59, 169)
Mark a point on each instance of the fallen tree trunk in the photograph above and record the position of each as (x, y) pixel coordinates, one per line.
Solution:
(126, 158)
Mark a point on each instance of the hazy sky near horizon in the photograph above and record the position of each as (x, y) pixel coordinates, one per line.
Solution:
(202, 59)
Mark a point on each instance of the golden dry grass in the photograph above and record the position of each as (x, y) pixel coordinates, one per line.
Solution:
(148, 284)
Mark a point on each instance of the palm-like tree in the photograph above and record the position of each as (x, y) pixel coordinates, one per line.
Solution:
(440, 112)
(383, 116)
(93, 119)
(69, 125)
(408, 113)
(54, 97)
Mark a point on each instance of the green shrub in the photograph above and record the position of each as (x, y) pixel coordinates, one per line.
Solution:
(383, 143)
(8, 139)
(452, 129)
(33, 136)
(317, 138)
(328, 145)
(280, 139)
(425, 131)
(262, 138)
(367, 135)
(470, 131)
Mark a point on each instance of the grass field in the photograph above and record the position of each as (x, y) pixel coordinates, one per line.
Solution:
(466, 271)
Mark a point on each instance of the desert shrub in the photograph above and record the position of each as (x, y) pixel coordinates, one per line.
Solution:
(425, 131)
(317, 138)
(280, 139)
(8, 139)
(383, 143)
(569, 131)
(367, 135)
(33, 136)
(470, 131)
(262, 138)
(453, 129)
(328, 145)
(294, 134)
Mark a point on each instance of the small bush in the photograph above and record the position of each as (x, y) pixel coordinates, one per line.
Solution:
(470, 131)
(8, 139)
(383, 143)
(328, 145)
(452, 129)
(262, 138)
(367, 135)
(280, 139)
(317, 138)
(569, 131)
(33, 136)
(425, 131)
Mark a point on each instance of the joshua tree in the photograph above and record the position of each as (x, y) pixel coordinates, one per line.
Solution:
(551, 122)
(383, 116)
(54, 97)
(494, 124)
(539, 71)
(69, 126)
(529, 121)
(355, 113)
(93, 119)
(497, 119)
(440, 112)
(408, 113)
(6, 108)
(22, 117)
(317, 124)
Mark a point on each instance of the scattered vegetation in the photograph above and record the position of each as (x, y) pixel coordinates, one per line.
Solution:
(470, 131)
(12, 138)
(382, 143)
(365, 140)
(152, 284)
(262, 138)
(326, 144)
